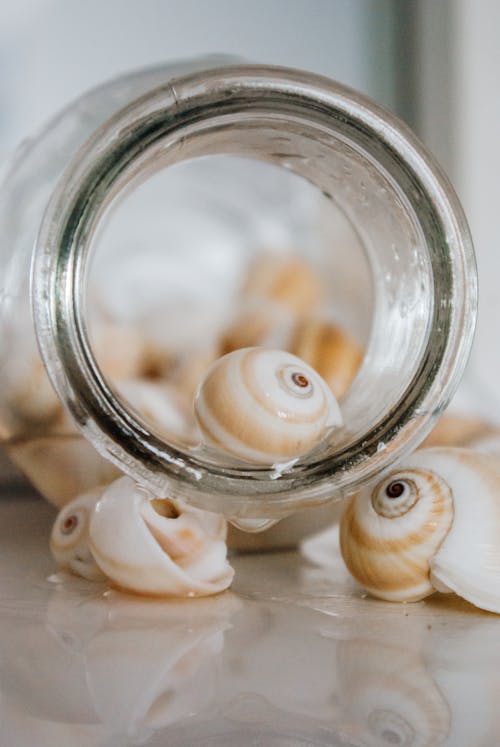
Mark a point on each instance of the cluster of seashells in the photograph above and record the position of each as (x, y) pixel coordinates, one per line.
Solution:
(265, 393)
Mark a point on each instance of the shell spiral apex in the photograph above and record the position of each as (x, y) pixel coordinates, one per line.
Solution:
(69, 539)
(264, 406)
(433, 524)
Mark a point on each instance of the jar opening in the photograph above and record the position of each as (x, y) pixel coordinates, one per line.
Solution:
(408, 220)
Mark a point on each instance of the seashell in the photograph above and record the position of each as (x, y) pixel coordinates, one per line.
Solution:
(330, 350)
(162, 406)
(69, 539)
(258, 323)
(61, 465)
(264, 406)
(158, 546)
(433, 524)
(287, 280)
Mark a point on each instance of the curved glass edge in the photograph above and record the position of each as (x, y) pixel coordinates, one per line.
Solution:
(57, 292)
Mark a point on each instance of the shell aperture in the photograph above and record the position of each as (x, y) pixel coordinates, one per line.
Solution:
(264, 406)
(157, 546)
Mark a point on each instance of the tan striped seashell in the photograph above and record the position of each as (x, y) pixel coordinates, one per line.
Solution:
(264, 406)
(330, 350)
(69, 539)
(388, 534)
(288, 280)
(433, 524)
(157, 546)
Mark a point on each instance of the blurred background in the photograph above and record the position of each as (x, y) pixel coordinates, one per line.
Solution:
(434, 64)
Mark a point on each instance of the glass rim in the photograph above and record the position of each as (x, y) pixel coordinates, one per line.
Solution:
(76, 207)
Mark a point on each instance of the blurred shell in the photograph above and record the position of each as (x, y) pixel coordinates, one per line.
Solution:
(388, 534)
(291, 281)
(389, 698)
(264, 406)
(325, 346)
(119, 350)
(190, 369)
(61, 466)
(258, 323)
(32, 398)
(457, 430)
(432, 524)
(69, 539)
(158, 547)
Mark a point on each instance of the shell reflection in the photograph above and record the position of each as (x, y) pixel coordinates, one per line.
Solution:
(389, 697)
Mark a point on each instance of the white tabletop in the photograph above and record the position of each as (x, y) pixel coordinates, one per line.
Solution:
(292, 655)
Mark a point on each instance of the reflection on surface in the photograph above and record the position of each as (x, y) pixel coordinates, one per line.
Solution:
(389, 697)
(293, 656)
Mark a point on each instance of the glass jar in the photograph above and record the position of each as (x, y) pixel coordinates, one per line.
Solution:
(290, 130)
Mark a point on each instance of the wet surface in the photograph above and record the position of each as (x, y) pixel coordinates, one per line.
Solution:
(292, 655)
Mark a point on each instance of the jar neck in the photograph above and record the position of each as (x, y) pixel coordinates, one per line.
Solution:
(339, 141)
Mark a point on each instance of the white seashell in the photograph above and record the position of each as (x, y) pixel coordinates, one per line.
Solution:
(158, 547)
(69, 540)
(264, 406)
(433, 524)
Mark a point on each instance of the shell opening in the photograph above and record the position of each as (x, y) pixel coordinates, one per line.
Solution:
(69, 524)
(165, 508)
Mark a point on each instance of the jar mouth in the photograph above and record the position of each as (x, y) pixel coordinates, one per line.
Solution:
(266, 113)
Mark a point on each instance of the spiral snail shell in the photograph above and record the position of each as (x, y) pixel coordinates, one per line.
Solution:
(433, 524)
(157, 546)
(264, 406)
(69, 539)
